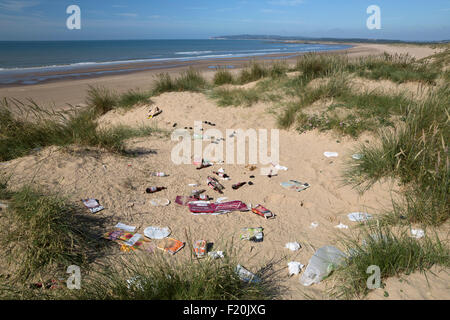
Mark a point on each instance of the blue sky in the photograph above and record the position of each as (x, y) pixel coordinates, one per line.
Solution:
(198, 19)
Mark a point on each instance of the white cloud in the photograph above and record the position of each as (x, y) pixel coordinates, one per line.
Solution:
(14, 5)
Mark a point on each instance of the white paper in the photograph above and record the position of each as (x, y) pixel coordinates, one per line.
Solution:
(359, 216)
(295, 268)
(130, 242)
(293, 246)
(331, 154)
(125, 227)
(341, 226)
(417, 233)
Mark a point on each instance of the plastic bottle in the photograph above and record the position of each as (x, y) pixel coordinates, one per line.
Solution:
(154, 189)
(321, 264)
(238, 185)
(159, 174)
(221, 174)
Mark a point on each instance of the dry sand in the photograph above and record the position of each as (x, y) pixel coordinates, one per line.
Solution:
(119, 184)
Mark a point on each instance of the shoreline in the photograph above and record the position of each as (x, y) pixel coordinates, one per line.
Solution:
(71, 91)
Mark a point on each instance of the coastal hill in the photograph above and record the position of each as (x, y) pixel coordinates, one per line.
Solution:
(301, 38)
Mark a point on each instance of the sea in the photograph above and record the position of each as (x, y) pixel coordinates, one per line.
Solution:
(31, 62)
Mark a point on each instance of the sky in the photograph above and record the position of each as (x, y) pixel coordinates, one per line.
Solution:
(200, 19)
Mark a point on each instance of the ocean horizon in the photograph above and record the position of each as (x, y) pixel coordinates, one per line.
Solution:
(20, 59)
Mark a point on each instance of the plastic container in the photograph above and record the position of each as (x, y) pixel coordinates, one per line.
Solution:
(321, 264)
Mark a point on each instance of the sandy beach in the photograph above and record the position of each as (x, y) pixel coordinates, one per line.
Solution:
(60, 93)
(309, 217)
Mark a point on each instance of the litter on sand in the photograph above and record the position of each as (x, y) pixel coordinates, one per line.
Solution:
(417, 233)
(263, 212)
(160, 202)
(295, 268)
(93, 205)
(156, 232)
(341, 226)
(293, 246)
(216, 254)
(295, 185)
(357, 156)
(153, 112)
(321, 264)
(252, 234)
(201, 208)
(331, 154)
(221, 200)
(125, 227)
(3, 206)
(359, 216)
(200, 247)
(314, 225)
(128, 241)
(278, 167)
(171, 245)
(214, 184)
(246, 275)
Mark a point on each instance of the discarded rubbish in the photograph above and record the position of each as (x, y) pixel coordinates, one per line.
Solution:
(155, 189)
(159, 174)
(200, 248)
(221, 200)
(193, 185)
(215, 185)
(3, 206)
(184, 200)
(246, 275)
(216, 254)
(321, 264)
(132, 241)
(295, 185)
(359, 216)
(263, 212)
(157, 232)
(293, 246)
(124, 239)
(171, 245)
(233, 134)
(238, 185)
(153, 112)
(341, 226)
(201, 208)
(331, 154)
(205, 164)
(210, 123)
(314, 225)
(357, 156)
(295, 268)
(136, 282)
(253, 234)
(278, 167)
(221, 173)
(417, 233)
(93, 205)
(160, 202)
(125, 227)
(251, 167)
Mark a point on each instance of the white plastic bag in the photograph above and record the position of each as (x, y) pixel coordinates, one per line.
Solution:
(321, 264)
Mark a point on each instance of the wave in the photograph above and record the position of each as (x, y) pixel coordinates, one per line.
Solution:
(200, 55)
(193, 52)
